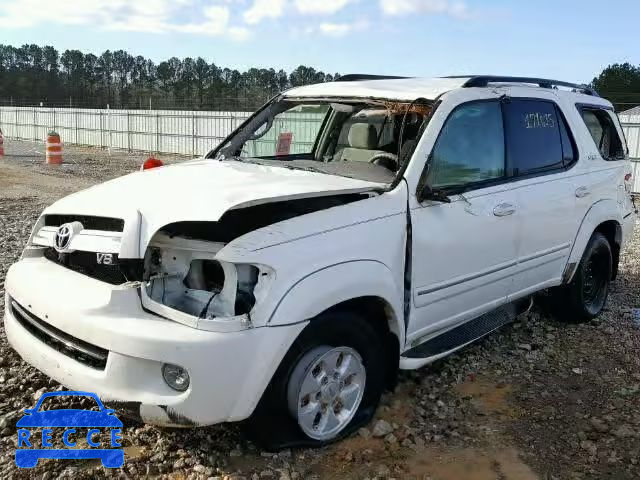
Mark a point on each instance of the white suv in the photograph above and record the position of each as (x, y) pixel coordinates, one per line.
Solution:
(344, 231)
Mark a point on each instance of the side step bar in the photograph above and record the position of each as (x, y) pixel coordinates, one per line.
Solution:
(451, 340)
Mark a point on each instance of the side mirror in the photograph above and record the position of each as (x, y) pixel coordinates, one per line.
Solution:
(435, 195)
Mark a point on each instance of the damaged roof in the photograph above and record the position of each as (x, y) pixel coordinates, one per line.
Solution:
(395, 89)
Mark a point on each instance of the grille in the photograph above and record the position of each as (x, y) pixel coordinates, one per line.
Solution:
(86, 264)
(79, 350)
(105, 224)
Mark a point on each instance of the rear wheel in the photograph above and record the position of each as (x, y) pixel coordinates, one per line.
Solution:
(585, 297)
(327, 386)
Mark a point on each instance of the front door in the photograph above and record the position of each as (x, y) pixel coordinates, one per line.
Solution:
(464, 252)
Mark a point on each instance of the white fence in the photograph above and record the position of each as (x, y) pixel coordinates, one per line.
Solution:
(631, 127)
(167, 131)
(164, 131)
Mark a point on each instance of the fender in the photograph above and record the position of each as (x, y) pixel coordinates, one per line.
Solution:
(338, 283)
(600, 212)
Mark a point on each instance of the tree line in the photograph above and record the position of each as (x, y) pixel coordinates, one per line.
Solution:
(620, 84)
(31, 74)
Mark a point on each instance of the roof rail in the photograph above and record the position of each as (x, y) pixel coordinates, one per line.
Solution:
(484, 80)
(356, 77)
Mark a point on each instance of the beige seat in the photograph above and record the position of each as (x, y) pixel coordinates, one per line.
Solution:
(363, 139)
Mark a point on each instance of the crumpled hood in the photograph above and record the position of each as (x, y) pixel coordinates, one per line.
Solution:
(200, 190)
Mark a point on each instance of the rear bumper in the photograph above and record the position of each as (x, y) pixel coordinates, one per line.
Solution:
(228, 371)
(628, 224)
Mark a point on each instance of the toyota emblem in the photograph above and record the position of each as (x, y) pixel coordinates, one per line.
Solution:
(65, 233)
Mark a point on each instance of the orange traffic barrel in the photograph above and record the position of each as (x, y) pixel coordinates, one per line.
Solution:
(1, 144)
(54, 149)
(150, 163)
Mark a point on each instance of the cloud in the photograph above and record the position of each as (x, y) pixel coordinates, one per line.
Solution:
(456, 9)
(235, 19)
(262, 9)
(326, 7)
(148, 16)
(342, 29)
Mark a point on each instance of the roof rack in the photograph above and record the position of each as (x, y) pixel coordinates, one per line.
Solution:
(484, 80)
(356, 77)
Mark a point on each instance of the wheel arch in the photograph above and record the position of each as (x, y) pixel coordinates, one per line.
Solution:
(364, 287)
(612, 231)
(603, 217)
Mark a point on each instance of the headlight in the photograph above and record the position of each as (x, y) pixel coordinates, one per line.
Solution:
(176, 377)
(192, 287)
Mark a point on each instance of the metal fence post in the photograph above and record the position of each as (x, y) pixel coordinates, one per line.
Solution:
(109, 125)
(157, 133)
(128, 132)
(75, 121)
(193, 134)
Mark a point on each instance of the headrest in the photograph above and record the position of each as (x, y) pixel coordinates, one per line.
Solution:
(363, 136)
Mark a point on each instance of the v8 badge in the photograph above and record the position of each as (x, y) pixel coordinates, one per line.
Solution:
(104, 258)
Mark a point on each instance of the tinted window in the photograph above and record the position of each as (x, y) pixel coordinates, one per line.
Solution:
(604, 133)
(534, 136)
(568, 146)
(470, 147)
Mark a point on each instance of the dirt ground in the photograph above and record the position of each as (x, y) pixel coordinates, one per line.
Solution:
(540, 399)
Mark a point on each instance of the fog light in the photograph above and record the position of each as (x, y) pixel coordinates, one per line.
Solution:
(176, 377)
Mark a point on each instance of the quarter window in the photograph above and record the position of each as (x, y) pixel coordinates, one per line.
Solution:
(537, 137)
(604, 133)
(470, 148)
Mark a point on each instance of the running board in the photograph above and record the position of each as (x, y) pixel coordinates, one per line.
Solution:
(451, 340)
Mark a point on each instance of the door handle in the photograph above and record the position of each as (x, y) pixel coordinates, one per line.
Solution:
(504, 210)
(582, 192)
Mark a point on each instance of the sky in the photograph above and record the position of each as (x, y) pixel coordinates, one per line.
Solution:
(563, 39)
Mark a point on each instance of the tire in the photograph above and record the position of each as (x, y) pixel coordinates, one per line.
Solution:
(585, 297)
(278, 423)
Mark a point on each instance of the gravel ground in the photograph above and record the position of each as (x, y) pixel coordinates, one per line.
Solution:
(540, 399)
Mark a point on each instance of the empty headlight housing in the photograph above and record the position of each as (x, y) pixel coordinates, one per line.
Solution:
(188, 284)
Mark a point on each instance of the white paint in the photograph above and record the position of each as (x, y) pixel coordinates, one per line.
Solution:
(401, 89)
(213, 188)
(466, 260)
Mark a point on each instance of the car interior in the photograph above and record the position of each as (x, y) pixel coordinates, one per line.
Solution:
(373, 135)
(380, 133)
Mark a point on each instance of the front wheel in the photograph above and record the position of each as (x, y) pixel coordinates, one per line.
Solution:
(325, 390)
(327, 386)
(585, 297)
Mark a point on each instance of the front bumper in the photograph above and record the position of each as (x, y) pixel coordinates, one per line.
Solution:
(228, 371)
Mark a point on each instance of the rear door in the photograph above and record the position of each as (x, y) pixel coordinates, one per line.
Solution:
(541, 153)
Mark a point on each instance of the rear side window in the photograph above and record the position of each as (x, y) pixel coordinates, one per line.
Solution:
(470, 148)
(604, 133)
(537, 137)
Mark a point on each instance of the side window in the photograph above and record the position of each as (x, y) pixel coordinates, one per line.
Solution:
(537, 137)
(470, 147)
(604, 133)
